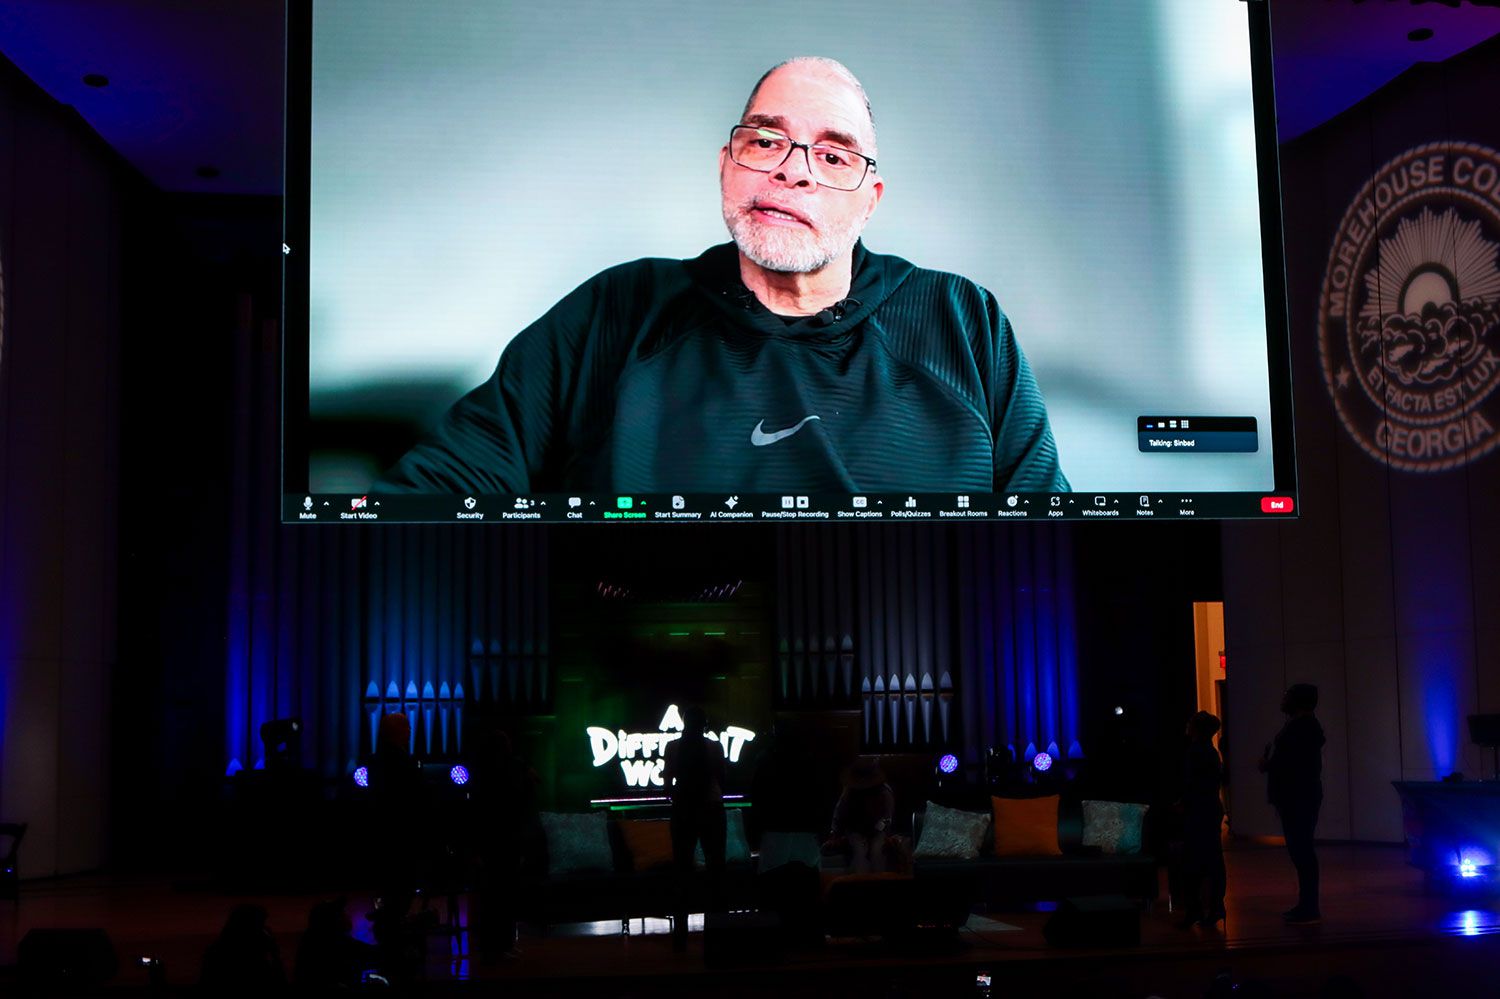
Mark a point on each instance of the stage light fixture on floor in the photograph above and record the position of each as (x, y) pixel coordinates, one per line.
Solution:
(282, 739)
(1472, 869)
(945, 769)
(1041, 762)
(1002, 766)
(459, 774)
(362, 776)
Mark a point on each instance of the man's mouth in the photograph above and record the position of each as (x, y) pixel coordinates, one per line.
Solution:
(779, 215)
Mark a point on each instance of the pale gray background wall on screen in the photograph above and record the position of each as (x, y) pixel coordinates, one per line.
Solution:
(473, 161)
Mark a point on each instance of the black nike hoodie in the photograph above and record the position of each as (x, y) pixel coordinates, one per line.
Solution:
(671, 376)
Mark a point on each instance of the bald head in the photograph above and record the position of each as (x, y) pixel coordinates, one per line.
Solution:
(821, 65)
(787, 217)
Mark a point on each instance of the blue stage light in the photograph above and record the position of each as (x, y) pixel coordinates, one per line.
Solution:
(362, 776)
(948, 764)
(1042, 761)
(1472, 865)
(459, 774)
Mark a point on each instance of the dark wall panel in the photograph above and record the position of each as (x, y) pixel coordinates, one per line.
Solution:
(1373, 706)
(1395, 629)
(39, 291)
(63, 195)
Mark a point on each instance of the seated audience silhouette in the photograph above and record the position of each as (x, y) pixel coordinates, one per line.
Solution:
(862, 817)
(244, 960)
(328, 956)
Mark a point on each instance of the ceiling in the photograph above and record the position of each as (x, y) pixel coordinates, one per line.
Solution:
(1331, 53)
(198, 83)
(192, 83)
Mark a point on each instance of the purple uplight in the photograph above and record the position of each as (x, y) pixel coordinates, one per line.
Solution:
(362, 776)
(948, 764)
(459, 774)
(1042, 761)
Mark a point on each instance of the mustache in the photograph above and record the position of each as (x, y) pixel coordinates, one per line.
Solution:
(746, 207)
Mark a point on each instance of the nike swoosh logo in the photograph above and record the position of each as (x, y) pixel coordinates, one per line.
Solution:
(760, 439)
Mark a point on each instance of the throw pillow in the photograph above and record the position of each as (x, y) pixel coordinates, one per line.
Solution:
(950, 833)
(1026, 827)
(736, 845)
(777, 849)
(649, 842)
(1113, 826)
(577, 842)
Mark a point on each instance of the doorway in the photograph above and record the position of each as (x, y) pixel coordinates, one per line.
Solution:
(1212, 679)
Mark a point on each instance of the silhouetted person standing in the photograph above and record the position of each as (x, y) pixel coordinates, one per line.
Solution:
(1202, 825)
(786, 791)
(503, 790)
(789, 811)
(400, 815)
(1293, 765)
(694, 776)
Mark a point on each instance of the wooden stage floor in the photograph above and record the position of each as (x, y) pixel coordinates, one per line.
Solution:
(1381, 928)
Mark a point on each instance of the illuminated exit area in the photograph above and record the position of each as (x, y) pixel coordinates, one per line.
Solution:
(1211, 658)
(1211, 670)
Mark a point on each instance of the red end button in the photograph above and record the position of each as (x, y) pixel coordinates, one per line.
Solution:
(1276, 504)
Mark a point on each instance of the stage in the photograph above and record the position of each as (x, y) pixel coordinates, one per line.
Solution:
(1381, 927)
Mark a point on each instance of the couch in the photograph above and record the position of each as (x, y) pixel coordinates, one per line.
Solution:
(621, 893)
(1001, 883)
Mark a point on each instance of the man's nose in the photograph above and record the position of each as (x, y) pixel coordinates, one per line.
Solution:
(795, 170)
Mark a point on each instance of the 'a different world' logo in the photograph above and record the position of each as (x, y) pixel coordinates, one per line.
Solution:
(1409, 318)
(642, 755)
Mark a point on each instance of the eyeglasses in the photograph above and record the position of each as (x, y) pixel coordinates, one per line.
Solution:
(764, 149)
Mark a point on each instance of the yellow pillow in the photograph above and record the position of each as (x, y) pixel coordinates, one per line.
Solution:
(1026, 827)
(649, 842)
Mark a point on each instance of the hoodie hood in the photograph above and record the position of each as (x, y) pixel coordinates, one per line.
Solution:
(716, 273)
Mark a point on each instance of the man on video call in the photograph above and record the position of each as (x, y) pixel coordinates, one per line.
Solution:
(790, 359)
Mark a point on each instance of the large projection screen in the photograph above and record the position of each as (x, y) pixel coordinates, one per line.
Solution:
(1091, 163)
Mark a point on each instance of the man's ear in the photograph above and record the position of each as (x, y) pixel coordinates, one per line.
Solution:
(723, 155)
(878, 188)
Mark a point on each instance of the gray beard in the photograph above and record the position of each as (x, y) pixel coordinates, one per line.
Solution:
(788, 251)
